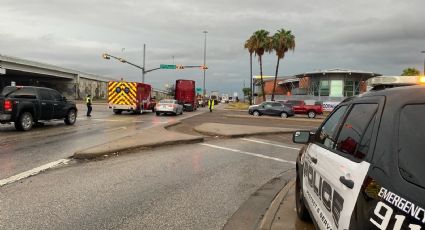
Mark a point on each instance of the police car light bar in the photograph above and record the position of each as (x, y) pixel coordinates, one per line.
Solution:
(396, 80)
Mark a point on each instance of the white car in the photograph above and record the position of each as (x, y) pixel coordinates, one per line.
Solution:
(169, 106)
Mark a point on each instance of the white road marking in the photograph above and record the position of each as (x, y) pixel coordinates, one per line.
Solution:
(33, 172)
(110, 120)
(248, 153)
(114, 129)
(268, 143)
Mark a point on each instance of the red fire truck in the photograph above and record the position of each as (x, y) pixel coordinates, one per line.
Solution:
(130, 96)
(185, 94)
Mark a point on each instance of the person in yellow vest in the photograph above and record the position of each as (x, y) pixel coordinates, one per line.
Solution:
(211, 104)
(88, 103)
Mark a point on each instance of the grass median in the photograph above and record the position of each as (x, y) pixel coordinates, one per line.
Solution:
(238, 106)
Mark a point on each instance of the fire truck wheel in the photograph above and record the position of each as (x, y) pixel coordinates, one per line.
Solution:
(117, 111)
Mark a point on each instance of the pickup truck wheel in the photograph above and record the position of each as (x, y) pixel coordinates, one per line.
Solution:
(302, 211)
(256, 113)
(311, 114)
(71, 117)
(283, 115)
(24, 122)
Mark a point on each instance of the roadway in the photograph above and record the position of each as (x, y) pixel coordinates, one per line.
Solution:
(197, 186)
(22, 151)
(192, 186)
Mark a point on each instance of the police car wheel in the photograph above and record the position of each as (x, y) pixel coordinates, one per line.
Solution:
(256, 113)
(302, 211)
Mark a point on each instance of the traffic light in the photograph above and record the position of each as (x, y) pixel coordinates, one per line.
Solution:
(204, 67)
(179, 67)
(105, 56)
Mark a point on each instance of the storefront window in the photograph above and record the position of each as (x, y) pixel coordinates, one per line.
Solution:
(324, 88)
(351, 88)
(336, 88)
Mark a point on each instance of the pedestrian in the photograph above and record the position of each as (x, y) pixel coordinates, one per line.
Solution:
(211, 104)
(88, 102)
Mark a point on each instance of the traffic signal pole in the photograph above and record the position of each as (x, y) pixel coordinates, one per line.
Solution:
(143, 70)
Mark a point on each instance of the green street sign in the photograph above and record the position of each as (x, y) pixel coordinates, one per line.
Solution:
(163, 66)
(198, 90)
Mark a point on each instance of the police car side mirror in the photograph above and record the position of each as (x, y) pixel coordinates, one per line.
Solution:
(301, 137)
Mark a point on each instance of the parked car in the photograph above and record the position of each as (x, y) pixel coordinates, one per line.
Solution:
(272, 109)
(300, 107)
(169, 106)
(26, 105)
(363, 167)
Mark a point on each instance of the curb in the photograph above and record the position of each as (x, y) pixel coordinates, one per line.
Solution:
(241, 135)
(137, 147)
(318, 120)
(267, 221)
(130, 148)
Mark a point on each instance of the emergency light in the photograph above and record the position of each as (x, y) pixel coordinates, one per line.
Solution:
(393, 81)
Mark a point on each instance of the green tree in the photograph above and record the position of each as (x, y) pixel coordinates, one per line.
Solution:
(171, 89)
(249, 44)
(282, 42)
(411, 72)
(262, 43)
(247, 92)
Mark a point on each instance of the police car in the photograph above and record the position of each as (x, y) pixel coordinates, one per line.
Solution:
(364, 168)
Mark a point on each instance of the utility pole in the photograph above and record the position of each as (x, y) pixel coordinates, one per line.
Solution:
(143, 70)
(424, 62)
(205, 59)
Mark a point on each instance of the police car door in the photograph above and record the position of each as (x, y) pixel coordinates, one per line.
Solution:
(341, 167)
(315, 192)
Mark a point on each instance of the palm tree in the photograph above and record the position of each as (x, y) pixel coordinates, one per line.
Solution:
(262, 43)
(249, 44)
(283, 41)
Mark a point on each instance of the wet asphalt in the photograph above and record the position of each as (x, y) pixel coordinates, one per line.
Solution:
(21, 151)
(194, 186)
(181, 187)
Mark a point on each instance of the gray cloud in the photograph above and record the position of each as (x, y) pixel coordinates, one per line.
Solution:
(384, 36)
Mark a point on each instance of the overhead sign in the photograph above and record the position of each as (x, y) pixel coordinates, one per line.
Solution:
(164, 66)
(198, 90)
(2, 71)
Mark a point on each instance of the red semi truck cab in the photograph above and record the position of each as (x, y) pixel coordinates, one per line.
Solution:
(185, 93)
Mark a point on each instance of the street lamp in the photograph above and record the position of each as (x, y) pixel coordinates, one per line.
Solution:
(205, 59)
(107, 56)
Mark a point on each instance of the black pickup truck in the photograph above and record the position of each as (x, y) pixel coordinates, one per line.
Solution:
(26, 105)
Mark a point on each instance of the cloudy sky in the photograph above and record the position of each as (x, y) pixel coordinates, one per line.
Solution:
(383, 36)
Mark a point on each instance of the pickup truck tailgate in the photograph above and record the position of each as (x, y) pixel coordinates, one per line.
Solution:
(1, 104)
